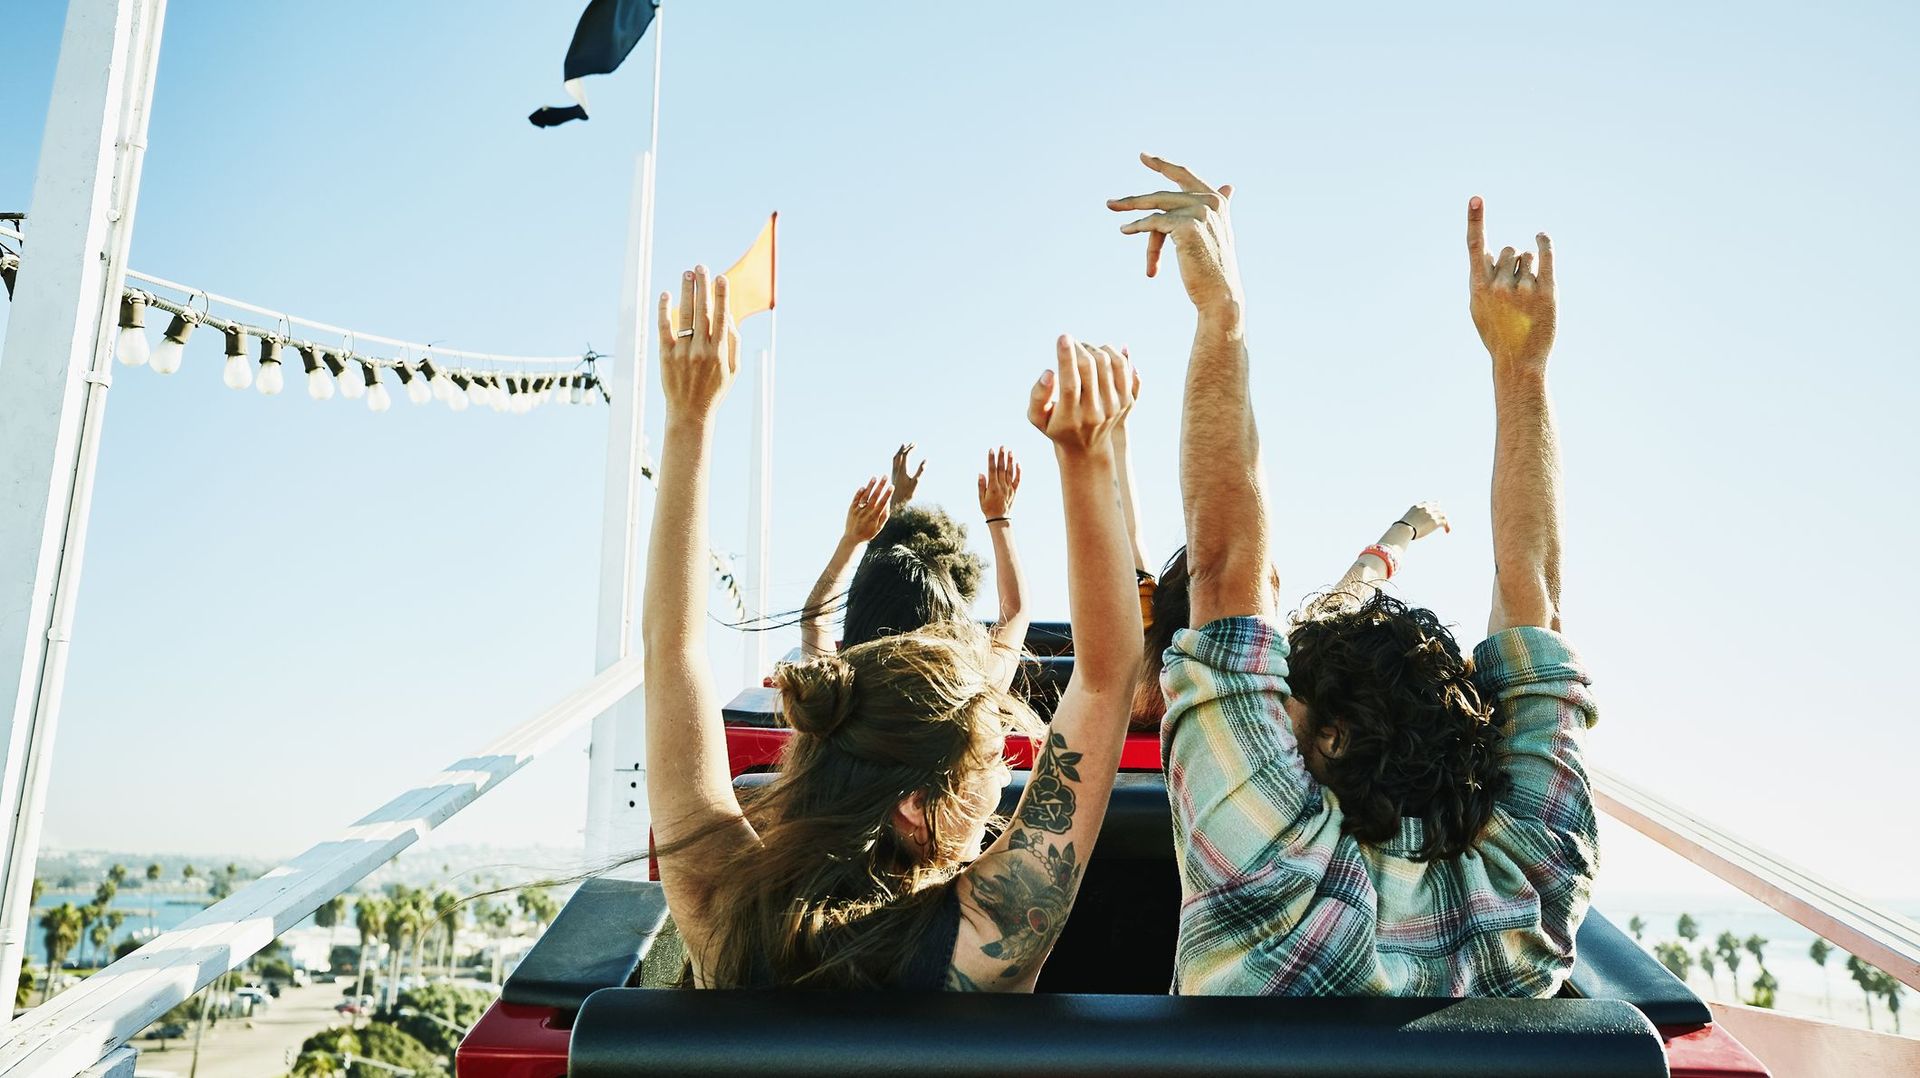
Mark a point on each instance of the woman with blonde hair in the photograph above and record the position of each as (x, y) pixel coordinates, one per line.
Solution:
(860, 864)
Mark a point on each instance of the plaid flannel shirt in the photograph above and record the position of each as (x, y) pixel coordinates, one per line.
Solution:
(1275, 900)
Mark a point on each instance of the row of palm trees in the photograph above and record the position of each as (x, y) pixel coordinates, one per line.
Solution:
(1728, 950)
(412, 921)
(68, 927)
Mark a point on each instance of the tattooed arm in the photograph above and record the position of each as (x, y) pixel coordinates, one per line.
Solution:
(1014, 900)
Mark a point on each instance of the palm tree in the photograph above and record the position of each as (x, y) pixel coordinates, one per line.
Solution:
(61, 926)
(1675, 957)
(188, 872)
(154, 872)
(1819, 951)
(331, 915)
(447, 908)
(1637, 925)
(403, 920)
(1707, 964)
(370, 917)
(1862, 975)
(39, 888)
(1727, 946)
(1756, 946)
(1764, 988)
(118, 874)
(1688, 928)
(1891, 990)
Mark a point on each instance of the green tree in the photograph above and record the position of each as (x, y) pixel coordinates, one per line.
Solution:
(538, 905)
(1638, 926)
(1820, 950)
(1675, 957)
(1764, 989)
(1862, 975)
(330, 915)
(100, 934)
(118, 874)
(1727, 946)
(453, 1003)
(188, 872)
(1688, 928)
(60, 932)
(39, 888)
(1756, 945)
(1890, 989)
(1707, 964)
(154, 872)
(370, 917)
(23, 988)
(448, 913)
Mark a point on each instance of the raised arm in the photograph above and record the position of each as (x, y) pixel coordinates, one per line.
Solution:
(1381, 560)
(906, 482)
(1513, 308)
(1014, 900)
(1221, 482)
(998, 484)
(1129, 494)
(865, 517)
(689, 788)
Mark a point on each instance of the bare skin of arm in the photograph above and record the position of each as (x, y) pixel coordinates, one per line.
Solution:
(1129, 495)
(692, 792)
(1015, 898)
(1222, 484)
(998, 485)
(865, 517)
(1368, 570)
(1513, 307)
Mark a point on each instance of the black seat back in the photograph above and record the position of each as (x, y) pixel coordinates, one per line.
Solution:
(635, 1031)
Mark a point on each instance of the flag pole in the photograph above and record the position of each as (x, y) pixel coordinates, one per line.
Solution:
(616, 755)
(760, 509)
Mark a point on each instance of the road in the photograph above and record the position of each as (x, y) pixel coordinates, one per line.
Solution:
(257, 1047)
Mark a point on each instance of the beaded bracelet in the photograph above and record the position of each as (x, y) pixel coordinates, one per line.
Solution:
(1385, 556)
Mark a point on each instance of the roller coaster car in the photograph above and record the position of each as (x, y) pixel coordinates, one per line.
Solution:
(1101, 1005)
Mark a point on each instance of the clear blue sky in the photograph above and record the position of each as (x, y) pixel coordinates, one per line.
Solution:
(292, 610)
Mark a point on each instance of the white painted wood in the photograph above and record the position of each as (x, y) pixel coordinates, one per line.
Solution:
(617, 818)
(54, 374)
(82, 1025)
(1848, 921)
(119, 1063)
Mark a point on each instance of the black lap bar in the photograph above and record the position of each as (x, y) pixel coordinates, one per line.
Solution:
(636, 1031)
(597, 942)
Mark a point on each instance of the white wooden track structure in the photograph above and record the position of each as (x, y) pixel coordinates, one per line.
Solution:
(54, 375)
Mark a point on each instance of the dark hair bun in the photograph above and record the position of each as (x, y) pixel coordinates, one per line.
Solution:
(816, 694)
(936, 539)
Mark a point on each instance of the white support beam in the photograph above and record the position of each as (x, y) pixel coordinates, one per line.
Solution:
(88, 1022)
(753, 644)
(54, 373)
(1846, 920)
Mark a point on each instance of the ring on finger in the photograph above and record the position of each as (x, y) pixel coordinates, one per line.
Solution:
(687, 332)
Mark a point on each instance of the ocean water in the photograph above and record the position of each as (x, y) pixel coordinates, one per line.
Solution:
(163, 910)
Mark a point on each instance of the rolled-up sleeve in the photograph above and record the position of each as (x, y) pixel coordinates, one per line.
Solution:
(1234, 771)
(1540, 689)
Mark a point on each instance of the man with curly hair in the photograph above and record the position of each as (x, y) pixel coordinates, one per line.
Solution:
(1359, 808)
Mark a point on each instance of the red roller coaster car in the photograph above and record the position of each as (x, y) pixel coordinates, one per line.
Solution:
(1102, 998)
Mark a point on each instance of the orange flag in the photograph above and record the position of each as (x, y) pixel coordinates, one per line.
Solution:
(750, 280)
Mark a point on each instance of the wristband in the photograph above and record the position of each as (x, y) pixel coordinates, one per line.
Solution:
(1385, 556)
(996, 520)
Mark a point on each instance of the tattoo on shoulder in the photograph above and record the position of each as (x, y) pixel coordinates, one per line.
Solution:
(1049, 802)
(1028, 895)
(960, 982)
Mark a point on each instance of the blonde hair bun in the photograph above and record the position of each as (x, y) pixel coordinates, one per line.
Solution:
(816, 694)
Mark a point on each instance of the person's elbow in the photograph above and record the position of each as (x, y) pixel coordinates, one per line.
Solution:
(1525, 600)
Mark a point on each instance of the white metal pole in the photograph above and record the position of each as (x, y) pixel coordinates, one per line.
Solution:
(54, 374)
(617, 818)
(760, 514)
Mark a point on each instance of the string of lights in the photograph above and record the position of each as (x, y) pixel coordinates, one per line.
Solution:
(256, 355)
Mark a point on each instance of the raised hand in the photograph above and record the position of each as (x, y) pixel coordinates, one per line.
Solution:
(1425, 519)
(697, 363)
(1511, 301)
(905, 483)
(1196, 217)
(1078, 407)
(872, 504)
(999, 483)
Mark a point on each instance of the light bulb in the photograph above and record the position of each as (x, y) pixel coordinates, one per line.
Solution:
(497, 395)
(173, 346)
(457, 400)
(132, 346)
(352, 386)
(239, 373)
(319, 373)
(272, 379)
(418, 391)
(442, 386)
(576, 394)
(476, 393)
(377, 398)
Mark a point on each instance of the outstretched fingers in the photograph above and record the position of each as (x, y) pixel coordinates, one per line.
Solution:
(1545, 243)
(1477, 262)
(1179, 174)
(666, 323)
(1040, 399)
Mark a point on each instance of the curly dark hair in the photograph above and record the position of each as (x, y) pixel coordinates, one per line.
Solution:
(1412, 735)
(917, 572)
